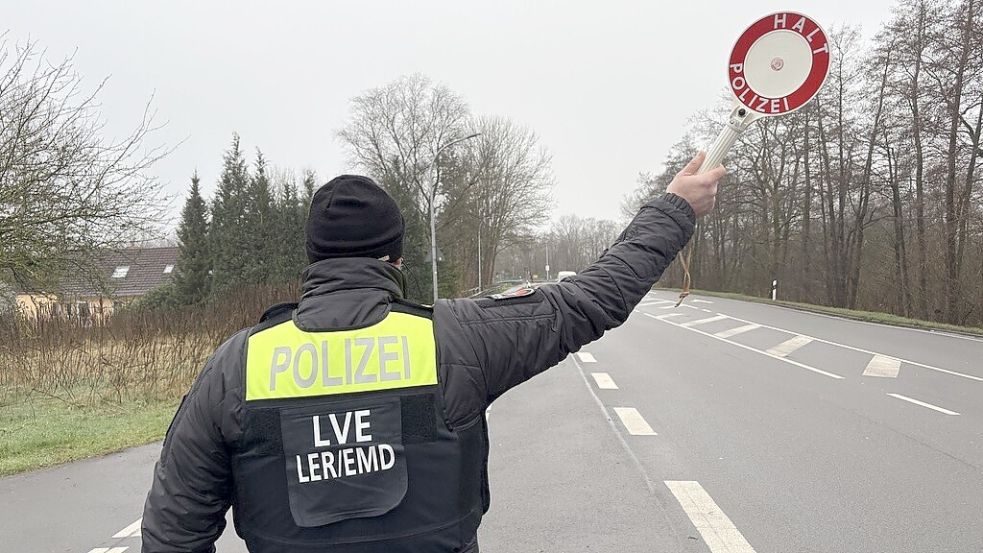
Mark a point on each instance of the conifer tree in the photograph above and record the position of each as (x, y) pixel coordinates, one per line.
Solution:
(310, 180)
(191, 276)
(259, 231)
(291, 257)
(226, 235)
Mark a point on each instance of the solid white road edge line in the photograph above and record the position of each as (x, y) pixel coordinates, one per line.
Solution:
(719, 533)
(586, 357)
(604, 381)
(749, 348)
(867, 351)
(130, 531)
(883, 366)
(923, 404)
(634, 422)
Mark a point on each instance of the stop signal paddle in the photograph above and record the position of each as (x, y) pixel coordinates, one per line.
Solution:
(777, 66)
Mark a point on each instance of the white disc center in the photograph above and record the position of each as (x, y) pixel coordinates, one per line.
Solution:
(778, 63)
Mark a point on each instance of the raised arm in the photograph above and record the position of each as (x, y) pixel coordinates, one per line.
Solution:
(516, 338)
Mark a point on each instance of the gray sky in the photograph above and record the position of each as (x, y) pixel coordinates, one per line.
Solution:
(608, 86)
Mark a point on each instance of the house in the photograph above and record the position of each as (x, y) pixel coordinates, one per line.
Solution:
(117, 279)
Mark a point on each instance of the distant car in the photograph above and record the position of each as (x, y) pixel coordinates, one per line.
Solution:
(564, 274)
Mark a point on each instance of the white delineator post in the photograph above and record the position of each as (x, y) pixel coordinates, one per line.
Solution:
(774, 290)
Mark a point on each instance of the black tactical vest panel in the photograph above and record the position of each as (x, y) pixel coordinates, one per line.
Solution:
(345, 445)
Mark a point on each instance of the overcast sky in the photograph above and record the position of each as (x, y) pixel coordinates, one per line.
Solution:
(608, 86)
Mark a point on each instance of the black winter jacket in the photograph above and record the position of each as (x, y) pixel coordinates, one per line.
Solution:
(485, 347)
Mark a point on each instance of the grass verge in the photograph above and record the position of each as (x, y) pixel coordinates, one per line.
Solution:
(43, 432)
(857, 315)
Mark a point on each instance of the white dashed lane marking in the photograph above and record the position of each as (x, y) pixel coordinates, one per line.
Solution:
(586, 357)
(788, 346)
(702, 301)
(108, 550)
(883, 366)
(713, 319)
(923, 404)
(132, 530)
(604, 381)
(719, 533)
(736, 331)
(634, 422)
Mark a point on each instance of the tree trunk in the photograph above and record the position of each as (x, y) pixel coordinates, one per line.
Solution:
(951, 221)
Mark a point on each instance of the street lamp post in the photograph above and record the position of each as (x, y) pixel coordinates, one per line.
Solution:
(433, 208)
(481, 220)
(547, 260)
(479, 251)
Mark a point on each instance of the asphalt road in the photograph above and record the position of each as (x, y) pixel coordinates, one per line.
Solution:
(721, 426)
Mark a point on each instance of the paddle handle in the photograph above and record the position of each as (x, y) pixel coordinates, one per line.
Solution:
(721, 146)
(738, 122)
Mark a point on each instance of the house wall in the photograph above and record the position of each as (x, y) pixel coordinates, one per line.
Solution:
(47, 305)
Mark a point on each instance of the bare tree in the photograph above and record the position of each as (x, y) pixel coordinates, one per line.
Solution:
(570, 244)
(953, 72)
(397, 130)
(870, 198)
(66, 190)
(500, 191)
(396, 134)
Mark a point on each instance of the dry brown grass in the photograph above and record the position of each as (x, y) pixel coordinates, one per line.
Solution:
(138, 355)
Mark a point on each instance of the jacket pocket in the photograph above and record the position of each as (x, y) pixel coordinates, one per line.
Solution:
(343, 460)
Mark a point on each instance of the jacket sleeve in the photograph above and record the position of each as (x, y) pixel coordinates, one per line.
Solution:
(191, 491)
(515, 339)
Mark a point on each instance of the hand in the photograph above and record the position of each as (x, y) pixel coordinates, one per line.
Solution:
(700, 191)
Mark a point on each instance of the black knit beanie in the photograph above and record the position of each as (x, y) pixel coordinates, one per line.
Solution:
(352, 216)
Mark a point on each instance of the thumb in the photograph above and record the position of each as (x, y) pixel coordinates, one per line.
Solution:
(694, 164)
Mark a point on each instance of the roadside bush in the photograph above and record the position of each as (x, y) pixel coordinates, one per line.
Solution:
(164, 297)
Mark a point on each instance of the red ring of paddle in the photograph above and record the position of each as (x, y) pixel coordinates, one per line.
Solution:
(808, 89)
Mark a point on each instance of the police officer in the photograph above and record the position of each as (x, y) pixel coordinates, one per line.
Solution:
(353, 421)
